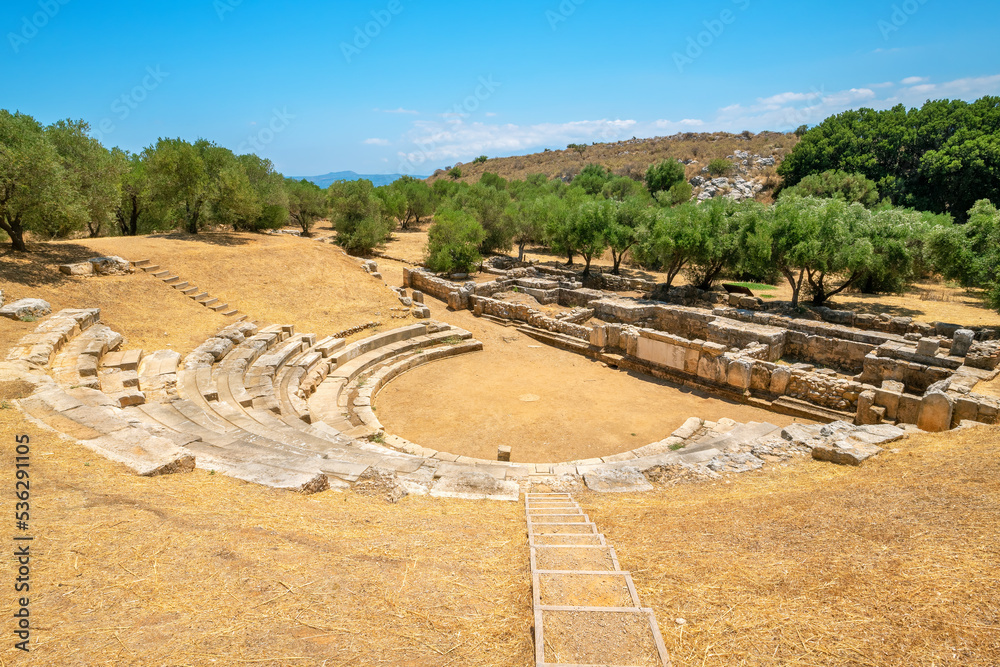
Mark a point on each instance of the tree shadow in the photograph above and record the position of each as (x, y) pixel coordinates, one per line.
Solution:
(224, 239)
(40, 266)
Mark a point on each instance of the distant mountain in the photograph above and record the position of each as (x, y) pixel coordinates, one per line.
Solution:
(325, 180)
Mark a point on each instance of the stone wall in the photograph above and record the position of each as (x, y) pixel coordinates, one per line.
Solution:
(418, 279)
(522, 313)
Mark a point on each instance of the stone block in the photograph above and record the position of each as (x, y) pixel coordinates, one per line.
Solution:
(80, 269)
(909, 409)
(865, 414)
(936, 410)
(760, 377)
(842, 317)
(889, 400)
(713, 369)
(599, 336)
(503, 453)
(962, 342)
(927, 347)
(738, 374)
(844, 452)
(422, 312)
(418, 296)
(691, 358)
(780, 379)
(18, 310)
(965, 410)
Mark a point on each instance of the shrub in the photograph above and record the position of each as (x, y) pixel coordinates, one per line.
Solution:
(720, 167)
(453, 242)
(455, 173)
(480, 160)
(664, 175)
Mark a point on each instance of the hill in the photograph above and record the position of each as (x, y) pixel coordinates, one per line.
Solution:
(633, 156)
(325, 180)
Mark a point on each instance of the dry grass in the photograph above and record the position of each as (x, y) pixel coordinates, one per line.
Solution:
(632, 158)
(895, 563)
(201, 569)
(273, 279)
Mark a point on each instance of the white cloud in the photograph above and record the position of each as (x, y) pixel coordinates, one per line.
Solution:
(377, 142)
(436, 142)
(399, 110)
(455, 139)
(913, 80)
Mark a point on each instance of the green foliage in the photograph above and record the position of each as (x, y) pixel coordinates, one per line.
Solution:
(834, 184)
(418, 197)
(664, 175)
(494, 181)
(588, 225)
(970, 253)
(579, 148)
(480, 160)
(720, 167)
(942, 157)
(360, 216)
(91, 171)
(527, 222)
(679, 193)
(35, 190)
(592, 179)
(453, 242)
(801, 130)
(488, 205)
(307, 203)
(621, 188)
(455, 173)
(631, 225)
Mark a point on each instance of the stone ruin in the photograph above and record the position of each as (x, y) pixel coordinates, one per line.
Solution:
(853, 367)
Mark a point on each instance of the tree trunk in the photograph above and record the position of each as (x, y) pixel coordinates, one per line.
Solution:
(569, 255)
(586, 268)
(133, 222)
(795, 285)
(616, 259)
(520, 251)
(16, 233)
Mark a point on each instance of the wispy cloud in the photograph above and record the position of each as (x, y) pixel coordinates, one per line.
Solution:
(399, 110)
(377, 142)
(454, 138)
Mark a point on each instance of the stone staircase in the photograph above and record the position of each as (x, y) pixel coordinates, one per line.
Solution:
(192, 292)
(586, 609)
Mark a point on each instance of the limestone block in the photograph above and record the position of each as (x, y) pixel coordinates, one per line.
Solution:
(780, 379)
(599, 336)
(691, 358)
(760, 377)
(111, 266)
(616, 480)
(738, 374)
(23, 308)
(909, 409)
(961, 342)
(712, 368)
(422, 312)
(844, 452)
(843, 317)
(661, 353)
(80, 269)
(927, 347)
(965, 410)
(503, 453)
(936, 410)
(889, 400)
(865, 414)
(418, 296)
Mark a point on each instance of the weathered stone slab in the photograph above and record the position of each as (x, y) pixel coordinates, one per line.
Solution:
(844, 452)
(620, 480)
(22, 308)
(935, 412)
(962, 342)
(475, 486)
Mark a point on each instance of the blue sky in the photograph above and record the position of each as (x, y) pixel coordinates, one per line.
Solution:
(401, 85)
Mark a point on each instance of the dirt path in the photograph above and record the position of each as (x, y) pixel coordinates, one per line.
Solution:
(549, 405)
